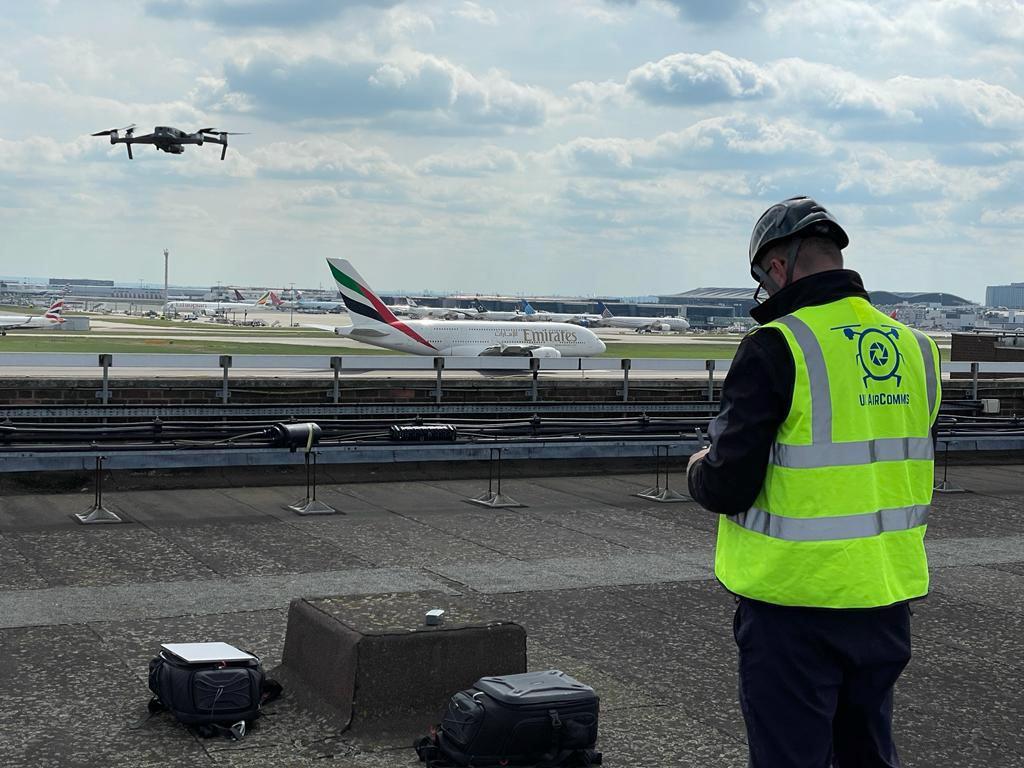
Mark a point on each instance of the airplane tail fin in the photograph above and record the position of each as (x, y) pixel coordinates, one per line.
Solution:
(527, 309)
(54, 311)
(238, 295)
(364, 306)
(274, 299)
(411, 302)
(368, 312)
(602, 308)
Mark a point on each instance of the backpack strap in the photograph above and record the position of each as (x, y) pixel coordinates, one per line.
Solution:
(429, 752)
(270, 690)
(566, 758)
(235, 732)
(154, 708)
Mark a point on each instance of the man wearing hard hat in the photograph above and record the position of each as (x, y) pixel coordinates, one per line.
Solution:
(821, 469)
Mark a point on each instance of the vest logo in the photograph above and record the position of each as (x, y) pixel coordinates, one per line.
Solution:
(877, 353)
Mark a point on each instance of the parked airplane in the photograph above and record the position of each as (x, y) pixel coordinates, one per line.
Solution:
(306, 305)
(373, 323)
(49, 320)
(482, 313)
(403, 309)
(579, 318)
(421, 312)
(214, 307)
(642, 324)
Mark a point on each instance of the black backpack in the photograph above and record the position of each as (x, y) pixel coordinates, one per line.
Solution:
(212, 698)
(544, 719)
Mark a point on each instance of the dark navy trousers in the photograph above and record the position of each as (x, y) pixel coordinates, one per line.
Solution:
(816, 684)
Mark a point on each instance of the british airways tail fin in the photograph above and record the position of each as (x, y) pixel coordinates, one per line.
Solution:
(54, 311)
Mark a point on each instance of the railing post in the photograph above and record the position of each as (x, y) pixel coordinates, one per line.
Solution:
(98, 513)
(626, 365)
(535, 370)
(105, 362)
(975, 367)
(710, 365)
(336, 367)
(225, 363)
(492, 497)
(439, 367)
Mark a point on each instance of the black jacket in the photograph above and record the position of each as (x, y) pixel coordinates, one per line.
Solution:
(756, 398)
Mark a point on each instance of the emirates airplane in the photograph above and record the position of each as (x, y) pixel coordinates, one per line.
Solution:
(373, 323)
(49, 320)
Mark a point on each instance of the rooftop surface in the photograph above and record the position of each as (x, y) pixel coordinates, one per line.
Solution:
(611, 588)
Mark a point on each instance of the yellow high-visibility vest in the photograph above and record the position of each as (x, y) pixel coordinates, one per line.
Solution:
(841, 518)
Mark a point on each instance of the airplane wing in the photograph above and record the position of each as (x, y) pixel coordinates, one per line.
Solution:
(348, 330)
(329, 328)
(368, 333)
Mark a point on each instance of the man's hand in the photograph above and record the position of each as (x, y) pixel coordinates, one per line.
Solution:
(697, 457)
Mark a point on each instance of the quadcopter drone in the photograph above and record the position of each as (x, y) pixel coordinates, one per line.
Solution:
(169, 139)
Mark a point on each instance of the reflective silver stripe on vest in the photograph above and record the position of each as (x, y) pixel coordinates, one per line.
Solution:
(852, 453)
(817, 374)
(928, 354)
(832, 528)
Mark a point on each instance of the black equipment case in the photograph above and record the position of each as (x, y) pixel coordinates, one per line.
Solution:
(208, 693)
(534, 719)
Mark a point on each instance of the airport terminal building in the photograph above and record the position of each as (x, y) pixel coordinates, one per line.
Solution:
(1009, 296)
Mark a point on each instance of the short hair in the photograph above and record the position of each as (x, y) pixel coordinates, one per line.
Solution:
(818, 251)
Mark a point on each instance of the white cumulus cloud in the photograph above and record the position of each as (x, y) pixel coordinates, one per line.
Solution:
(693, 78)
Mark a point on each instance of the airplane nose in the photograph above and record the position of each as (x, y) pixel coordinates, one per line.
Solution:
(601, 348)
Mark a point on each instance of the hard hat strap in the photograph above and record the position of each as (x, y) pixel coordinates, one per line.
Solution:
(791, 257)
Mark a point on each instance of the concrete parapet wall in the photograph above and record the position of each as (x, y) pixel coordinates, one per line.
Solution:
(371, 664)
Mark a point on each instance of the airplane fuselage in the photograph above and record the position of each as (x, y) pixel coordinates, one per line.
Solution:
(11, 322)
(206, 307)
(469, 338)
(639, 323)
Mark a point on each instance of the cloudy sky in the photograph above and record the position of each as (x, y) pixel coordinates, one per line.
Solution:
(617, 147)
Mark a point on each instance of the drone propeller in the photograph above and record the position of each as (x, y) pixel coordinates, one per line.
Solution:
(114, 130)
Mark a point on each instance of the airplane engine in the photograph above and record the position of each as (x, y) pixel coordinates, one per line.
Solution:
(520, 351)
(545, 352)
(662, 327)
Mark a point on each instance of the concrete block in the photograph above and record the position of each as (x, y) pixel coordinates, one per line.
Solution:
(373, 665)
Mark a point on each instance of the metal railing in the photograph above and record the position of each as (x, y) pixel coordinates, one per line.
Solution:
(338, 366)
